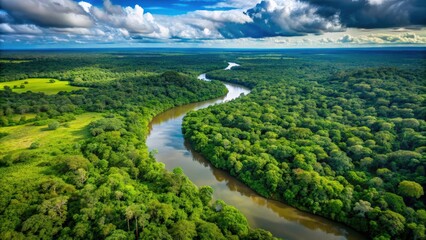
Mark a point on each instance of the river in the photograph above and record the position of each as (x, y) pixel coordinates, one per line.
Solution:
(280, 219)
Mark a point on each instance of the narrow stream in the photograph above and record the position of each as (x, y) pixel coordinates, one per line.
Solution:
(280, 219)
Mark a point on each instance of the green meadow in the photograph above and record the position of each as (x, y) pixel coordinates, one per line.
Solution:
(31, 166)
(39, 85)
(21, 137)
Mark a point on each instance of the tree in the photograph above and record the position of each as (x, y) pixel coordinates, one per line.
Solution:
(362, 207)
(134, 211)
(335, 207)
(53, 125)
(154, 232)
(395, 202)
(392, 222)
(4, 121)
(340, 162)
(206, 193)
(118, 235)
(209, 231)
(230, 219)
(259, 234)
(418, 230)
(410, 189)
(183, 230)
(272, 178)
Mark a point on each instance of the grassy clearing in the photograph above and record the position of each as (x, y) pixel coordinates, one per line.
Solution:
(39, 85)
(33, 171)
(22, 176)
(20, 137)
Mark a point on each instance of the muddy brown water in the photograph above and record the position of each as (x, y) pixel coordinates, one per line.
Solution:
(280, 219)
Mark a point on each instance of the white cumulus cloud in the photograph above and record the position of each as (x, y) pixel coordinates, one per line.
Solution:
(132, 19)
(48, 13)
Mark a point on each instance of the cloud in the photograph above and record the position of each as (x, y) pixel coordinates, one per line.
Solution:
(375, 2)
(283, 18)
(236, 4)
(6, 28)
(5, 18)
(230, 16)
(326, 40)
(380, 38)
(257, 20)
(405, 38)
(202, 24)
(374, 13)
(133, 20)
(85, 5)
(48, 13)
(267, 18)
(346, 39)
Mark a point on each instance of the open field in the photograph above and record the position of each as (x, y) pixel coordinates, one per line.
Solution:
(30, 171)
(20, 137)
(39, 85)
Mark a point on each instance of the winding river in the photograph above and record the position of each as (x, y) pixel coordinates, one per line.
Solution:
(280, 219)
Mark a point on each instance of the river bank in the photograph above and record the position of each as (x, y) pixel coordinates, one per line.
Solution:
(280, 219)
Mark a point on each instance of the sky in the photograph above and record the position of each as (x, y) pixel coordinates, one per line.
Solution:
(26, 24)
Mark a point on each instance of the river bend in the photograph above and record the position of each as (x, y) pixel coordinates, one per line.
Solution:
(280, 219)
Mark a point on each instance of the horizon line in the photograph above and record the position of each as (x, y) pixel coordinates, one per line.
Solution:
(213, 48)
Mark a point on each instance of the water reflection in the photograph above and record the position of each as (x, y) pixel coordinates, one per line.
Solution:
(282, 220)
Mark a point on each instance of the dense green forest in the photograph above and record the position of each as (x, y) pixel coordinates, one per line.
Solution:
(337, 133)
(342, 135)
(95, 179)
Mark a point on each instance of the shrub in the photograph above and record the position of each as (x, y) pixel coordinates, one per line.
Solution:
(105, 125)
(6, 161)
(53, 125)
(3, 134)
(34, 145)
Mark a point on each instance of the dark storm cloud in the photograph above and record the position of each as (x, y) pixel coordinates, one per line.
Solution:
(5, 18)
(54, 13)
(282, 18)
(374, 13)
